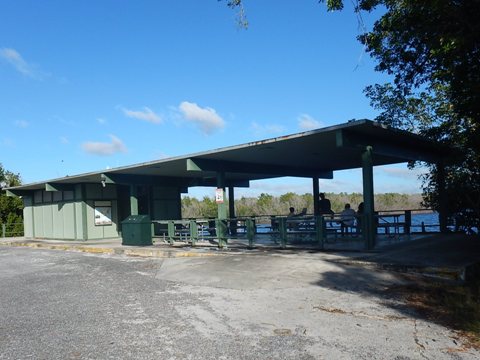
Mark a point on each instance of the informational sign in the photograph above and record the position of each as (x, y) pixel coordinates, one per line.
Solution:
(103, 213)
(219, 196)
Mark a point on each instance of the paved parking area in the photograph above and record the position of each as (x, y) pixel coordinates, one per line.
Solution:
(69, 305)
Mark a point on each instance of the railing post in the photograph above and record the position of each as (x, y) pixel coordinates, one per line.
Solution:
(171, 231)
(193, 232)
(320, 230)
(282, 228)
(408, 221)
(250, 226)
(4, 230)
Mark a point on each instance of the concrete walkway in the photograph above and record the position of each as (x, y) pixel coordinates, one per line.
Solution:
(448, 256)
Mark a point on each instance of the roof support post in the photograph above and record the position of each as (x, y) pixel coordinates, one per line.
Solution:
(368, 200)
(442, 198)
(231, 202)
(231, 209)
(316, 193)
(221, 209)
(133, 199)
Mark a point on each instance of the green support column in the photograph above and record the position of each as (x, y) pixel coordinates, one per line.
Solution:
(443, 201)
(231, 202)
(368, 201)
(221, 209)
(83, 194)
(316, 192)
(133, 200)
(250, 228)
(231, 210)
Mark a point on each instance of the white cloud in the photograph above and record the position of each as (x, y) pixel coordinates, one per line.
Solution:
(306, 122)
(103, 148)
(101, 121)
(206, 119)
(269, 129)
(16, 60)
(146, 115)
(22, 123)
(64, 140)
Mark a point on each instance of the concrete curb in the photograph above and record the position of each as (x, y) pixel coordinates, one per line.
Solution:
(128, 251)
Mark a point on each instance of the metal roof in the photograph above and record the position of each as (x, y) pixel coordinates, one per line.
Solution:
(308, 154)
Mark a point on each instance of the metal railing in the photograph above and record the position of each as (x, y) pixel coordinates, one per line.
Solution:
(280, 230)
(12, 230)
(319, 231)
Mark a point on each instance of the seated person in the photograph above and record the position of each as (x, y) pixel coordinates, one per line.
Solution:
(347, 218)
(290, 215)
(292, 212)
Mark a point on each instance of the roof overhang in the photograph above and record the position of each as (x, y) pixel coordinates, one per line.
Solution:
(316, 154)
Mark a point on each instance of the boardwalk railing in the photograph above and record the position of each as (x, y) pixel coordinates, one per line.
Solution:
(11, 230)
(277, 230)
(317, 231)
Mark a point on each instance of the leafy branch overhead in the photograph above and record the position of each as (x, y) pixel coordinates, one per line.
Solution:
(431, 49)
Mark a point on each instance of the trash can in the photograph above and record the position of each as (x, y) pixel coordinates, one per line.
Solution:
(137, 230)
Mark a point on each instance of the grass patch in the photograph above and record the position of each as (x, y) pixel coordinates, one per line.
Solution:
(456, 306)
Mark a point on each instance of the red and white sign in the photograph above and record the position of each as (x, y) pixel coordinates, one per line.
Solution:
(219, 196)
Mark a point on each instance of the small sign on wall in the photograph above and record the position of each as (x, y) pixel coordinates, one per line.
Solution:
(103, 213)
(219, 196)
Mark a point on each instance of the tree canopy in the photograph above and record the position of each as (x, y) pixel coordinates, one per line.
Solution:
(432, 50)
(10, 207)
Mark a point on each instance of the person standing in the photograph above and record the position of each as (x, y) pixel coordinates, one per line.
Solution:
(360, 217)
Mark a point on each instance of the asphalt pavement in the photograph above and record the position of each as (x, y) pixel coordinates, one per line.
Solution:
(78, 305)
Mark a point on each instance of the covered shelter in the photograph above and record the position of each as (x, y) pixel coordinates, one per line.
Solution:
(92, 205)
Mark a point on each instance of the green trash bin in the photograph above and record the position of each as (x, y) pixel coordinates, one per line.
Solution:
(137, 230)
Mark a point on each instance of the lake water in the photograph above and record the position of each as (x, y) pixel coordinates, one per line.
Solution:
(430, 220)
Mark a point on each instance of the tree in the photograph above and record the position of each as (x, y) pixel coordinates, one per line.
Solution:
(432, 49)
(431, 114)
(11, 208)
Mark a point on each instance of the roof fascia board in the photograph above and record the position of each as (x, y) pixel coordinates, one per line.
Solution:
(127, 179)
(254, 168)
(59, 187)
(17, 193)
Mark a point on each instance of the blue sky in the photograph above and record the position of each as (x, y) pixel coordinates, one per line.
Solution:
(87, 85)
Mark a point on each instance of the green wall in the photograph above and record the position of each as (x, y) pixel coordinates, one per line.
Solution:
(71, 214)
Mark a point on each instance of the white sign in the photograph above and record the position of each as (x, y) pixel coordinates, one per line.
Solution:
(103, 213)
(219, 196)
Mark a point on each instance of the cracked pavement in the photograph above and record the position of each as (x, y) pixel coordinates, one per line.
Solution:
(64, 305)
